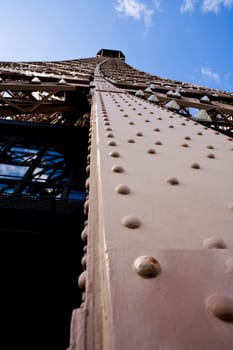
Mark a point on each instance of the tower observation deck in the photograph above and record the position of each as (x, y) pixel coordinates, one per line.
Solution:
(116, 203)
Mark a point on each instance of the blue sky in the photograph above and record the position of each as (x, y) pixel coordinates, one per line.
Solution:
(187, 40)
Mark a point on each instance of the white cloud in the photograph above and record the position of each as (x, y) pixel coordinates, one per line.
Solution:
(187, 6)
(206, 5)
(207, 72)
(136, 9)
(214, 5)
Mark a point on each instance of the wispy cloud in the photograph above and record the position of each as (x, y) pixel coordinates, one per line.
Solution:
(136, 9)
(187, 6)
(207, 72)
(213, 6)
(157, 4)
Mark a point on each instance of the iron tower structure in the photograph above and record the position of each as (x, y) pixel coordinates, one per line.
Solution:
(116, 202)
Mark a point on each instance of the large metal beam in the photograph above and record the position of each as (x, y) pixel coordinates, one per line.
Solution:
(159, 253)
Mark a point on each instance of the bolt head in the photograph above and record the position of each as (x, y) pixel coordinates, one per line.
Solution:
(221, 307)
(147, 266)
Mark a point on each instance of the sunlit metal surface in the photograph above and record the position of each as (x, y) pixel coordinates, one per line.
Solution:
(159, 227)
(156, 177)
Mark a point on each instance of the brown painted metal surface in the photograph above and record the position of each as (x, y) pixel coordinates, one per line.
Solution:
(160, 240)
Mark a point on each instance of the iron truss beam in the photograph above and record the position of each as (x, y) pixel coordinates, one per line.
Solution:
(158, 257)
(159, 260)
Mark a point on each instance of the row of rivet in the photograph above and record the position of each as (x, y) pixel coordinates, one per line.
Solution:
(84, 234)
(149, 267)
(180, 116)
(169, 180)
(211, 156)
(133, 222)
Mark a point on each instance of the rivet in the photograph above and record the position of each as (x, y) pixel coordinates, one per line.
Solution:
(210, 147)
(183, 124)
(110, 135)
(171, 117)
(160, 118)
(194, 166)
(221, 307)
(86, 206)
(131, 123)
(122, 189)
(230, 139)
(147, 266)
(125, 115)
(187, 138)
(159, 143)
(139, 113)
(171, 126)
(151, 112)
(108, 129)
(147, 121)
(151, 151)
(139, 134)
(199, 133)
(172, 181)
(217, 133)
(210, 155)
(229, 264)
(131, 141)
(82, 280)
(214, 243)
(114, 154)
(84, 234)
(185, 145)
(106, 123)
(121, 110)
(84, 261)
(118, 169)
(112, 143)
(131, 221)
(87, 184)
(157, 129)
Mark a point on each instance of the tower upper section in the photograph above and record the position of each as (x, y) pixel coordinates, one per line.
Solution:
(111, 53)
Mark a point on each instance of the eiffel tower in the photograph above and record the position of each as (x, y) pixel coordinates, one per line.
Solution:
(116, 202)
